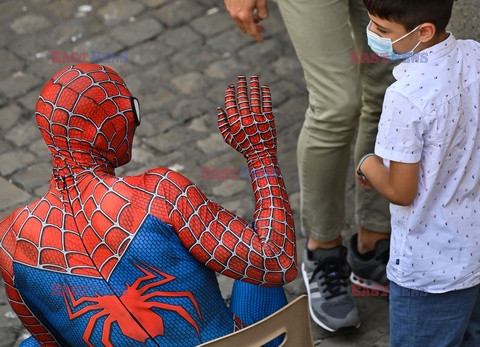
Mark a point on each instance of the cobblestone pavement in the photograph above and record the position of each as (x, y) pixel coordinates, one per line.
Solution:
(177, 57)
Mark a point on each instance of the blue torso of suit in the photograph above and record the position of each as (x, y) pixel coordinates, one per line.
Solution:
(157, 294)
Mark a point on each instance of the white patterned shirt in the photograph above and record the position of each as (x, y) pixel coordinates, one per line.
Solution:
(431, 115)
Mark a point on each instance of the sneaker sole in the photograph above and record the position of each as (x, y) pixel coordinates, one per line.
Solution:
(366, 283)
(312, 314)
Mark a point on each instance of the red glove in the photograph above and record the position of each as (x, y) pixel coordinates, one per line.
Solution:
(249, 125)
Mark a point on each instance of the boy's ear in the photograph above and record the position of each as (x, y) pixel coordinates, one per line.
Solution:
(427, 32)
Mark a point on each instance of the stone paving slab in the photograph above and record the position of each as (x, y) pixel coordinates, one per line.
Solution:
(177, 56)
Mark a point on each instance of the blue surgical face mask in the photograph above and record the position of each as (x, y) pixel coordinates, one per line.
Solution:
(383, 46)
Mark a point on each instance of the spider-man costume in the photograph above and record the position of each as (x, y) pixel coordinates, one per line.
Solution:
(108, 260)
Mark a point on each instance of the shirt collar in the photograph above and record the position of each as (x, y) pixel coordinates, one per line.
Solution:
(429, 54)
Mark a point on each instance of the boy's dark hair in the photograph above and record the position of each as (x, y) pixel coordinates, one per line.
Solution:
(411, 13)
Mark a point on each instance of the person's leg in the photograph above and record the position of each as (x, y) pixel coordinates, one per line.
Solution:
(252, 303)
(425, 319)
(369, 248)
(29, 342)
(471, 338)
(321, 34)
(371, 210)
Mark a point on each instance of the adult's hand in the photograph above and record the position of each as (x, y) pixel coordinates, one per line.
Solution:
(247, 14)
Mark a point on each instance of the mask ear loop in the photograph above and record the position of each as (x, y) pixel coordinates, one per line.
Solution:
(136, 110)
(412, 51)
(406, 35)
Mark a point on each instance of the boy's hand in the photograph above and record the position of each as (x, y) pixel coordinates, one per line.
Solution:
(359, 175)
(248, 124)
(247, 13)
(362, 181)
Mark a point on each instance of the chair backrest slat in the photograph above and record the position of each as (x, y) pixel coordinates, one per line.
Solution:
(293, 320)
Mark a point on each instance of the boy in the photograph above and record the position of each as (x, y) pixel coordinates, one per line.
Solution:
(427, 164)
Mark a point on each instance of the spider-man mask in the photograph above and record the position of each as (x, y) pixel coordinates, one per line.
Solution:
(87, 117)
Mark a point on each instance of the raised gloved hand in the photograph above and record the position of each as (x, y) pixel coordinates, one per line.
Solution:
(248, 124)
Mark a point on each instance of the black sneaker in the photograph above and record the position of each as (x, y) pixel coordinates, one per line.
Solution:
(369, 269)
(325, 273)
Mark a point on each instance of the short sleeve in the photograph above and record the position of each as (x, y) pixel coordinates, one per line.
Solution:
(400, 130)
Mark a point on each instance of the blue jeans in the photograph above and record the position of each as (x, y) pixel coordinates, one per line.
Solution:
(424, 319)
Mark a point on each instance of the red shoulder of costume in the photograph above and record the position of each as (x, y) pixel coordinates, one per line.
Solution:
(162, 182)
(156, 187)
(8, 243)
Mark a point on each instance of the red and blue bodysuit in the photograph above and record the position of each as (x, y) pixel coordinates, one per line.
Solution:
(106, 260)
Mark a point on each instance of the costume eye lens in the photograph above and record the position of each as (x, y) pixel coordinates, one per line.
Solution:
(136, 110)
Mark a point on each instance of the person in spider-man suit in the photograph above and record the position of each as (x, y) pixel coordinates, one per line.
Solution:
(123, 261)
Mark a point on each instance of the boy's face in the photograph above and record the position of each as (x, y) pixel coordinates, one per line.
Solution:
(394, 31)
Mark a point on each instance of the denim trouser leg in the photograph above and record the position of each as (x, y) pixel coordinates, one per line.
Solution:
(419, 319)
(472, 335)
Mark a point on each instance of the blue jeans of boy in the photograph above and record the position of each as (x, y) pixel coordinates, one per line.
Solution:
(424, 319)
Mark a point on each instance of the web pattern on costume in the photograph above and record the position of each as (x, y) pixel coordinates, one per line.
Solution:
(90, 219)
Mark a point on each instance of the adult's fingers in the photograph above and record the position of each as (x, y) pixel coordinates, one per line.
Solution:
(251, 28)
(262, 9)
(261, 14)
(246, 13)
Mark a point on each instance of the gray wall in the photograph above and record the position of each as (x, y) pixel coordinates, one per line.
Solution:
(465, 23)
